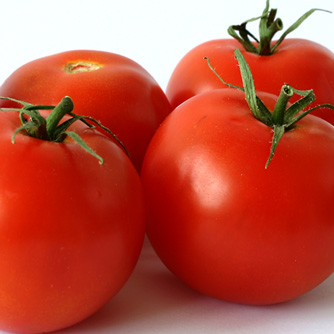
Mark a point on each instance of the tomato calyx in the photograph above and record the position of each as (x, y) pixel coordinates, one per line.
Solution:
(268, 27)
(283, 118)
(54, 128)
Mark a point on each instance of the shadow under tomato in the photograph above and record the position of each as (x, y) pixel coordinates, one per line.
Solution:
(154, 300)
(151, 291)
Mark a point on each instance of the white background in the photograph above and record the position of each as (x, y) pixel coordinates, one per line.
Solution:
(156, 34)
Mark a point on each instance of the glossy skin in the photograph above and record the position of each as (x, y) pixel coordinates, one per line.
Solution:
(114, 90)
(224, 224)
(300, 63)
(69, 236)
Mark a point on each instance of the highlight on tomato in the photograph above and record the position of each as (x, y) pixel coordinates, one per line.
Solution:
(72, 217)
(302, 63)
(112, 88)
(239, 189)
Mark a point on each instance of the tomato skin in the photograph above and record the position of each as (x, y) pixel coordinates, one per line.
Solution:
(121, 94)
(301, 63)
(224, 224)
(69, 236)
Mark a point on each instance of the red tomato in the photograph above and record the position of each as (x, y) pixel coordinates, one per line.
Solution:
(224, 224)
(71, 229)
(111, 88)
(301, 63)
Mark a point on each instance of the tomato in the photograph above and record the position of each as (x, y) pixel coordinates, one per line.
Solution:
(71, 229)
(109, 87)
(301, 63)
(223, 223)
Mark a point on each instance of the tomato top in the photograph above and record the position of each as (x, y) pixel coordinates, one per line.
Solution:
(268, 27)
(111, 88)
(301, 63)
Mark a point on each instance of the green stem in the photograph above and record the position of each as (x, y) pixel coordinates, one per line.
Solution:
(264, 47)
(52, 128)
(283, 117)
(52, 121)
(281, 105)
(268, 28)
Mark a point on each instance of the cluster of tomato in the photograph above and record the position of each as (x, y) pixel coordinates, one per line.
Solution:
(187, 166)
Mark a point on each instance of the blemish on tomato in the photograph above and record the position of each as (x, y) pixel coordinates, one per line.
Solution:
(81, 66)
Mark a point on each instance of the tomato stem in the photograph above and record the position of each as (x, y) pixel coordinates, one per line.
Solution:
(268, 27)
(284, 117)
(281, 105)
(64, 107)
(54, 127)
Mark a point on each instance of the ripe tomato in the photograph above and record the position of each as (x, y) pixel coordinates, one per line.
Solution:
(223, 223)
(71, 229)
(111, 88)
(301, 63)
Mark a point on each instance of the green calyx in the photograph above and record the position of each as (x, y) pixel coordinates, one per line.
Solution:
(54, 128)
(283, 118)
(268, 27)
